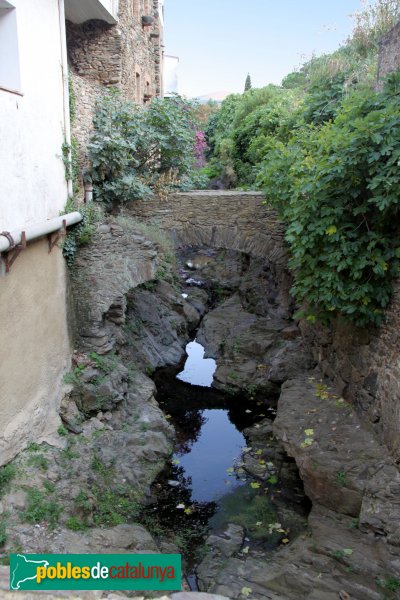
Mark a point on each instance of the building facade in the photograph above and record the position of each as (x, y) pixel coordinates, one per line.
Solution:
(107, 43)
(126, 53)
(35, 347)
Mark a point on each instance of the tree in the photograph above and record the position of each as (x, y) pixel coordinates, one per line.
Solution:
(247, 85)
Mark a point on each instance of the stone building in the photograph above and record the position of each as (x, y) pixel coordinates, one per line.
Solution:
(389, 53)
(122, 48)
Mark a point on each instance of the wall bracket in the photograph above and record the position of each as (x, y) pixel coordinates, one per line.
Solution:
(53, 238)
(11, 256)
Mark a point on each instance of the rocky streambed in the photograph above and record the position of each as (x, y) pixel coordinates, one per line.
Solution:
(267, 482)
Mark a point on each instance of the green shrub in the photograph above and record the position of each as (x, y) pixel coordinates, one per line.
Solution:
(132, 147)
(337, 188)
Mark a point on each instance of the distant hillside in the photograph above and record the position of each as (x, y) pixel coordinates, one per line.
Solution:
(216, 96)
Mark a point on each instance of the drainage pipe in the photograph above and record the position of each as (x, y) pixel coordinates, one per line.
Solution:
(9, 239)
(65, 80)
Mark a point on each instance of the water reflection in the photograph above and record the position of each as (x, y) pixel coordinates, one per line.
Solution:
(209, 459)
(197, 370)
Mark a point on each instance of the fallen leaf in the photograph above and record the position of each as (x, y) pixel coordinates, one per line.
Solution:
(246, 591)
(285, 541)
(347, 551)
(258, 452)
(255, 485)
(309, 432)
(246, 550)
(259, 523)
(230, 470)
(188, 511)
(307, 442)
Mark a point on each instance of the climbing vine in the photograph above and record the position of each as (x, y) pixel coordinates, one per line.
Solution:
(338, 189)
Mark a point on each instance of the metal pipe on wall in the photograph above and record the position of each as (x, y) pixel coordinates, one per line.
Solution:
(36, 231)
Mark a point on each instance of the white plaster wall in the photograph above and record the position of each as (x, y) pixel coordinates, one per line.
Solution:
(35, 348)
(32, 181)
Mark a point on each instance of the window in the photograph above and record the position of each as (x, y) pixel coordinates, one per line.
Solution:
(9, 62)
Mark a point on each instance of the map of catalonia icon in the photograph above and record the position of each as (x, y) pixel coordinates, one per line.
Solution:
(25, 570)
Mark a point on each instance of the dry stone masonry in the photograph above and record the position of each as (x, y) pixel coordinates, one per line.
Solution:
(127, 56)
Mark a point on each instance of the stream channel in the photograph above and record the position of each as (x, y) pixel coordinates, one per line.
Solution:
(207, 484)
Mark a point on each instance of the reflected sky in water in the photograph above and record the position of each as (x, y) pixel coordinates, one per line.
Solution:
(216, 449)
(197, 370)
(218, 444)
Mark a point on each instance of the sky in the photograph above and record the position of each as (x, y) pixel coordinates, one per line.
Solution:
(219, 41)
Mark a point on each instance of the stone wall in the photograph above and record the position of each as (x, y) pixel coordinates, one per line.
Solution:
(117, 260)
(389, 53)
(365, 365)
(127, 56)
(218, 219)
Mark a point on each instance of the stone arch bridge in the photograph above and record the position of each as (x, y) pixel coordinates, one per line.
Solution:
(232, 220)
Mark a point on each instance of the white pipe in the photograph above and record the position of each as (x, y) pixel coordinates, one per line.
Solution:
(39, 230)
(64, 69)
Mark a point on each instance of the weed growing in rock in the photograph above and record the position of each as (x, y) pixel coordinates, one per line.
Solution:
(115, 508)
(33, 447)
(107, 364)
(40, 508)
(68, 454)
(62, 431)
(3, 529)
(341, 477)
(100, 468)
(49, 486)
(389, 583)
(76, 524)
(7, 474)
(39, 461)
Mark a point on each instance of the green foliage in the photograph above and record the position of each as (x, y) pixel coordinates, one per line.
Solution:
(7, 474)
(39, 461)
(3, 531)
(240, 132)
(41, 508)
(341, 477)
(62, 431)
(114, 508)
(389, 583)
(76, 524)
(372, 22)
(33, 447)
(80, 234)
(70, 156)
(132, 147)
(337, 188)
